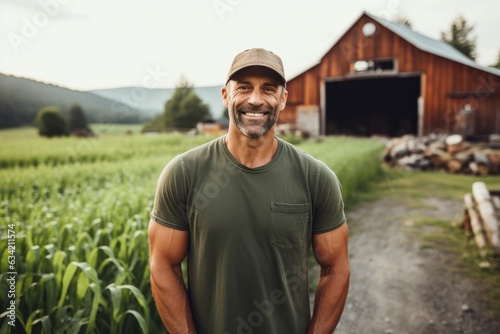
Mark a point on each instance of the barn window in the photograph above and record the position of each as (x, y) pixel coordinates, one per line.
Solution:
(369, 29)
(374, 65)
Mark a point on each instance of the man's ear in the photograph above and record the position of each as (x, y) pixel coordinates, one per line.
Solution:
(284, 97)
(224, 95)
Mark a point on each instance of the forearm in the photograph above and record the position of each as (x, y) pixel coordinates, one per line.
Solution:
(171, 300)
(330, 297)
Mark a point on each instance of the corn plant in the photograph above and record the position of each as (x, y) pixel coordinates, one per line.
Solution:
(81, 207)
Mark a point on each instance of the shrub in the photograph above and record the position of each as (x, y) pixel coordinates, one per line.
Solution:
(51, 123)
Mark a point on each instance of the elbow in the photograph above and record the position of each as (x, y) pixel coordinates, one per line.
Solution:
(340, 272)
(347, 274)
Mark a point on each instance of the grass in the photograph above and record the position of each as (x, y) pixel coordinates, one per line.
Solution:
(100, 129)
(356, 161)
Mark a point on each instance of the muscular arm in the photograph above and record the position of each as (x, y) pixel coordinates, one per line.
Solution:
(167, 248)
(330, 250)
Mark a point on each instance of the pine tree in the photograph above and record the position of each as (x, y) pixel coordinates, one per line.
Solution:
(459, 38)
(497, 64)
(185, 108)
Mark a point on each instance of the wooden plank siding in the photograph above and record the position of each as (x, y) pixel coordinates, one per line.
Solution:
(447, 86)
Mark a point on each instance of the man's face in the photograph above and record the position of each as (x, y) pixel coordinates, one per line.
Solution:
(254, 98)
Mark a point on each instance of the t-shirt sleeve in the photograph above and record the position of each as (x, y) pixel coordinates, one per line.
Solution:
(329, 208)
(171, 196)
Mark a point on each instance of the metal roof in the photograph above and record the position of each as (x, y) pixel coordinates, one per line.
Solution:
(436, 47)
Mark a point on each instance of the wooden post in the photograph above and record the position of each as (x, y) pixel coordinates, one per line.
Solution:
(488, 215)
(475, 222)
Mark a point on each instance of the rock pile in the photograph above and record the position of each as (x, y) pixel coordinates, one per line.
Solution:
(448, 153)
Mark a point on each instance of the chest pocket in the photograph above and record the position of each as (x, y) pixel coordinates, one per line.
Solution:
(289, 224)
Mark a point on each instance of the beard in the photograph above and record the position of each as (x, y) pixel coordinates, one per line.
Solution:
(254, 128)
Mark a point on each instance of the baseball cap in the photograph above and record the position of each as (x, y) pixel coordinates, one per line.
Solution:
(257, 57)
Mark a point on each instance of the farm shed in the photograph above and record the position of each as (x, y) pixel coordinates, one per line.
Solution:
(383, 78)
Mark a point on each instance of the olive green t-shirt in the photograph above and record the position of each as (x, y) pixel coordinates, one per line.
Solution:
(249, 234)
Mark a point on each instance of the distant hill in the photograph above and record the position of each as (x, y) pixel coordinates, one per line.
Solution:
(20, 100)
(152, 101)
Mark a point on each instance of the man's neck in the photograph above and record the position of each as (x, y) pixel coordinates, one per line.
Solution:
(252, 152)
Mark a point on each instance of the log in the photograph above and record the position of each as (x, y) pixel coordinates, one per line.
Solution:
(454, 166)
(438, 145)
(399, 150)
(483, 170)
(454, 149)
(474, 168)
(481, 158)
(454, 140)
(494, 161)
(475, 222)
(488, 215)
(465, 156)
(455, 143)
(437, 157)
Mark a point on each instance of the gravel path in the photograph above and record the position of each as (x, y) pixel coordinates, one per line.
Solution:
(399, 287)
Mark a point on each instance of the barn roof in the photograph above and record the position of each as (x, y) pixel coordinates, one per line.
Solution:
(436, 47)
(418, 40)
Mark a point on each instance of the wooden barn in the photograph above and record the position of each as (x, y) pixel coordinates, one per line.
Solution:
(383, 78)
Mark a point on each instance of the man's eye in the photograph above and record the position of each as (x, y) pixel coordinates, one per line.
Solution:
(269, 90)
(243, 88)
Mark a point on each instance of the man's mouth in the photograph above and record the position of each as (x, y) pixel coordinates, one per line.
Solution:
(254, 114)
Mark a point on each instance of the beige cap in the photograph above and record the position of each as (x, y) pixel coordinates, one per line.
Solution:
(257, 57)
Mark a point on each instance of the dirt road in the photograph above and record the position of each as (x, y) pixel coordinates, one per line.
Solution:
(399, 287)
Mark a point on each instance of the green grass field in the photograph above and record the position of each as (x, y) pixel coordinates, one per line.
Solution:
(74, 215)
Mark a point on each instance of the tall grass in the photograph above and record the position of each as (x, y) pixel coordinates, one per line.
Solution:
(356, 161)
(81, 208)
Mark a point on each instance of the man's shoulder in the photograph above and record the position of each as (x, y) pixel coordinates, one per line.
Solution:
(202, 151)
(298, 155)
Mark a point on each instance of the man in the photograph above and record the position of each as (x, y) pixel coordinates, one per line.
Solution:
(245, 209)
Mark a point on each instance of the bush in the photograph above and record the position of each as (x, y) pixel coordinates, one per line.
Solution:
(78, 122)
(51, 123)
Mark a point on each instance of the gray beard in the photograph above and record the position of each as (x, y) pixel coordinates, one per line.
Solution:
(254, 128)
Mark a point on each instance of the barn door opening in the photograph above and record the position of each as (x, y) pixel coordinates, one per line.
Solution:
(372, 106)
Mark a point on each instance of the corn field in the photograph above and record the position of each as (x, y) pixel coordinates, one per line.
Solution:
(73, 232)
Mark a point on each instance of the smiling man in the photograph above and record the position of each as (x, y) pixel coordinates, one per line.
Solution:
(245, 209)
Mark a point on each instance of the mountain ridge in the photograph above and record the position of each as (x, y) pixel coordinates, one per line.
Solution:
(155, 98)
(21, 98)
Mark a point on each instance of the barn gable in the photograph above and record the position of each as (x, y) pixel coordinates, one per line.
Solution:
(433, 46)
(383, 78)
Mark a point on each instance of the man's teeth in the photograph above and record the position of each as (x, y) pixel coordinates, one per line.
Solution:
(255, 114)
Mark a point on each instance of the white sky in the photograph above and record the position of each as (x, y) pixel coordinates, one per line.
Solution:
(92, 44)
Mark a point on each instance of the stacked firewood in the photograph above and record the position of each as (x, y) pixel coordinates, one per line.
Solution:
(482, 217)
(450, 153)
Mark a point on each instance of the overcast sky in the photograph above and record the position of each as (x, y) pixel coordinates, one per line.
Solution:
(92, 44)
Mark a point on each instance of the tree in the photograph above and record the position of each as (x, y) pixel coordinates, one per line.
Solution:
(497, 64)
(51, 123)
(185, 108)
(459, 38)
(404, 20)
(78, 121)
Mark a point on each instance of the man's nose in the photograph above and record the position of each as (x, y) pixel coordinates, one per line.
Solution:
(256, 98)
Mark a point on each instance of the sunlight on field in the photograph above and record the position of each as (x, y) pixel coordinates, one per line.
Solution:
(79, 210)
(99, 129)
